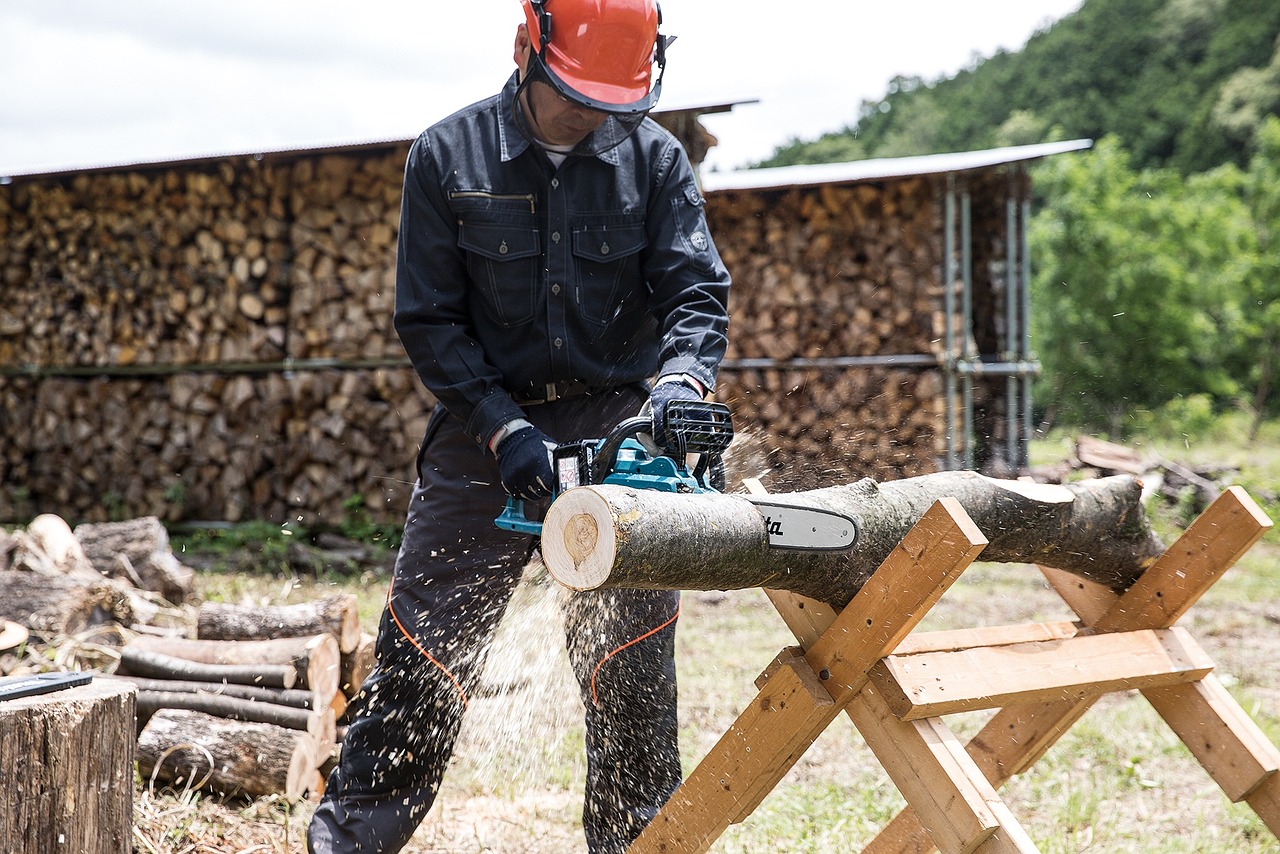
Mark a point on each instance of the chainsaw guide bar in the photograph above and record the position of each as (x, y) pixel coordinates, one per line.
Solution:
(808, 529)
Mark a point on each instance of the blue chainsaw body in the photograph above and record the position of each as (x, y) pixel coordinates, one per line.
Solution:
(621, 459)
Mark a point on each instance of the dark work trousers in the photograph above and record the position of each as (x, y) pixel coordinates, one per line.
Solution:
(453, 578)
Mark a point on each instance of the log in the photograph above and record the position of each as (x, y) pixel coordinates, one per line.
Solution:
(254, 759)
(144, 662)
(66, 762)
(315, 660)
(137, 549)
(61, 605)
(614, 536)
(232, 708)
(292, 697)
(358, 664)
(335, 615)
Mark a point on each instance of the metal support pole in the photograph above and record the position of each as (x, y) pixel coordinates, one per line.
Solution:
(1027, 428)
(949, 297)
(1011, 299)
(967, 354)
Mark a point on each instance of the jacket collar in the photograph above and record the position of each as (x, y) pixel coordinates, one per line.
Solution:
(513, 143)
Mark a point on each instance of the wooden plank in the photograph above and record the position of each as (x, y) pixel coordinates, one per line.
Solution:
(1265, 801)
(943, 683)
(953, 639)
(938, 778)
(1219, 734)
(791, 710)
(1207, 549)
(896, 598)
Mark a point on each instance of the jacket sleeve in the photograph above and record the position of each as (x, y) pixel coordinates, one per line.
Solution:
(431, 314)
(688, 281)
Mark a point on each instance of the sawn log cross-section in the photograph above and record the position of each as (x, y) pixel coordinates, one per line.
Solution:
(1041, 677)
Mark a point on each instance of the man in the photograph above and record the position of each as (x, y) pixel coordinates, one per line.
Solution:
(553, 256)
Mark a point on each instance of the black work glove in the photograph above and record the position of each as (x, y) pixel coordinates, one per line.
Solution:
(663, 393)
(524, 459)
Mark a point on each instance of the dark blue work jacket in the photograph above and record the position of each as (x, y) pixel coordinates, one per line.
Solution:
(512, 274)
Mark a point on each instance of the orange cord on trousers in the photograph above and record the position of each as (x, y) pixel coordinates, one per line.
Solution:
(594, 697)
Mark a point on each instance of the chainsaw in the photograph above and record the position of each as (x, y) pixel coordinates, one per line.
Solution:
(628, 456)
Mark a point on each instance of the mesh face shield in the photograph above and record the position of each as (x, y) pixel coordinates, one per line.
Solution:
(615, 129)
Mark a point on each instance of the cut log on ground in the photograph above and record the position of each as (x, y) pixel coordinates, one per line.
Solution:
(57, 606)
(614, 536)
(183, 748)
(66, 762)
(316, 660)
(233, 708)
(358, 664)
(157, 665)
(335, 615)
(137, 549)
(292, 697)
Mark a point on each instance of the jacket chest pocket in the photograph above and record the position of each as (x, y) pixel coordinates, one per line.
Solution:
(502, 258)
(609, 281)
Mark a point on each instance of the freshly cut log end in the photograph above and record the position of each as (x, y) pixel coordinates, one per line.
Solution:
(588, 530)
(585, 538)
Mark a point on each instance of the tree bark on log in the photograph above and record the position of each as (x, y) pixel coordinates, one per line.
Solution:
(294, 698)
(232, 708)
(316, 660)
(137, 549)
(335, 615)
(233, 757)
(66, 762)
(613, 536)
(157, 665)
(59, 605)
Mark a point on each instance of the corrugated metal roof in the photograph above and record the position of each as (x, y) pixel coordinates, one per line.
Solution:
(785, 177)
(300, 150)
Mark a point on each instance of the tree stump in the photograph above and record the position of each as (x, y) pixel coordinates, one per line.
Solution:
(66, 762)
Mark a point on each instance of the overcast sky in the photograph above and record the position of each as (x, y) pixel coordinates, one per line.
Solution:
(98, 82)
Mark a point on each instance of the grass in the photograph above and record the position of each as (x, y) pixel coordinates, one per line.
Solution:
(1118, 781)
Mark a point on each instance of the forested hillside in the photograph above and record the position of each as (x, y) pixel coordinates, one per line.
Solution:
(1183, 84)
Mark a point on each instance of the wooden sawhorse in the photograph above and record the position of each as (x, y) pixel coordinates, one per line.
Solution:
(1042, 677)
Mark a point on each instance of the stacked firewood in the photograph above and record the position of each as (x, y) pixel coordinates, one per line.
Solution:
(240, 261)
(209, 446)
(827, 272)
(277, 676)
(342, 279)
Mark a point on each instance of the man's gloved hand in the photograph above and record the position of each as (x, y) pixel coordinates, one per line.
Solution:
(663, 393)
(524, 459)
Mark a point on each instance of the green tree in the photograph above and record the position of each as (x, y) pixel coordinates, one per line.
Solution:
(1135, 302)
(1259, 345)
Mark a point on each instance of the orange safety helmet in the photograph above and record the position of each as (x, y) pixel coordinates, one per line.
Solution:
(599, 53)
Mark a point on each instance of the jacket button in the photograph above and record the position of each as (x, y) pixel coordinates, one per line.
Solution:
(559, 342)
(555, 289)
(604, 248)
(503, 250)
(555, 237)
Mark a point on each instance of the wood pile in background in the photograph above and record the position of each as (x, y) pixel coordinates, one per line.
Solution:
(207, 446)
(343, 241)
(258, 293)
(828, 272)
